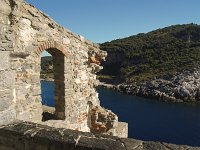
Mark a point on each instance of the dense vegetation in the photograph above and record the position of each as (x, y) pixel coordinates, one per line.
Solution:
(162, 52)
(46, 67)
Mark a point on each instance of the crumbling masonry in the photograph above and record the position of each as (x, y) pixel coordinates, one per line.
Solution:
(24, 33)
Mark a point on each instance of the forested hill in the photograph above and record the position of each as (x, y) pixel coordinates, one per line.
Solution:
(46, 67)
(162, 52)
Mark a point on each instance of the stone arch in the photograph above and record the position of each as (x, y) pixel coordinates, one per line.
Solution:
(51, 45)
(59, 54)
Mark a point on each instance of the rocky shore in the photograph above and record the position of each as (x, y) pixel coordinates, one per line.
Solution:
(181, 87)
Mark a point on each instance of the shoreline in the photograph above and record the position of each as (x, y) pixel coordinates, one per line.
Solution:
(181, 87)
(159, 97)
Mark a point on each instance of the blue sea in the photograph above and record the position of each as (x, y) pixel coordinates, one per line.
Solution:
(148, 120)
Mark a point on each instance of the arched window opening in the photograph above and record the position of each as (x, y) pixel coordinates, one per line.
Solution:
(52, 85)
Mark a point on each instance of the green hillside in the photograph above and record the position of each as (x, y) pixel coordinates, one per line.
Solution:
(162, 52)
(46, 67)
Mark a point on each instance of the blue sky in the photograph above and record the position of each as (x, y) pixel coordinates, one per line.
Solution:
(106, 20)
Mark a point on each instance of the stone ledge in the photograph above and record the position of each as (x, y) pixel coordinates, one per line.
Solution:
(31, 136)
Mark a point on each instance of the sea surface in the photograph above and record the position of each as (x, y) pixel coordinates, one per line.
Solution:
(148, 120)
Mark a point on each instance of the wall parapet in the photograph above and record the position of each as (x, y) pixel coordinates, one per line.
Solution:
(30, 136)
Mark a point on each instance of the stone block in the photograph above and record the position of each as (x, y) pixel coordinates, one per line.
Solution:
(37, 25)
(84, 75)
(7, 116)
(68, 86)
(73, 120)
(35, 78)
(6, 99)
(66, 40)
(122, 129)
(7, 80)
(25, 116)
(4, 60)
(42, 39)
(37, 114)
(6, 45)
(3, 29)
(9, 37)
(4, 20)
(2, 48)
(5, 8)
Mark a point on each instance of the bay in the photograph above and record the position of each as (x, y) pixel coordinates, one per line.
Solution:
(148, 120)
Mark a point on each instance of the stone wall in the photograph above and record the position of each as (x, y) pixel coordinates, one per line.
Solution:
(30, 136)
(25, 33)
(7, 74)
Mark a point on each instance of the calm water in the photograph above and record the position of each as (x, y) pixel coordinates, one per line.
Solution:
(47, 93)
(148, 120)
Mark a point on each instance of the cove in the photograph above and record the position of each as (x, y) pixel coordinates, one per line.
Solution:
(148, 120)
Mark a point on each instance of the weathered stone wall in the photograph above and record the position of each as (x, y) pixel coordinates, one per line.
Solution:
(30, 136)
(7, 74)
(25, 33)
